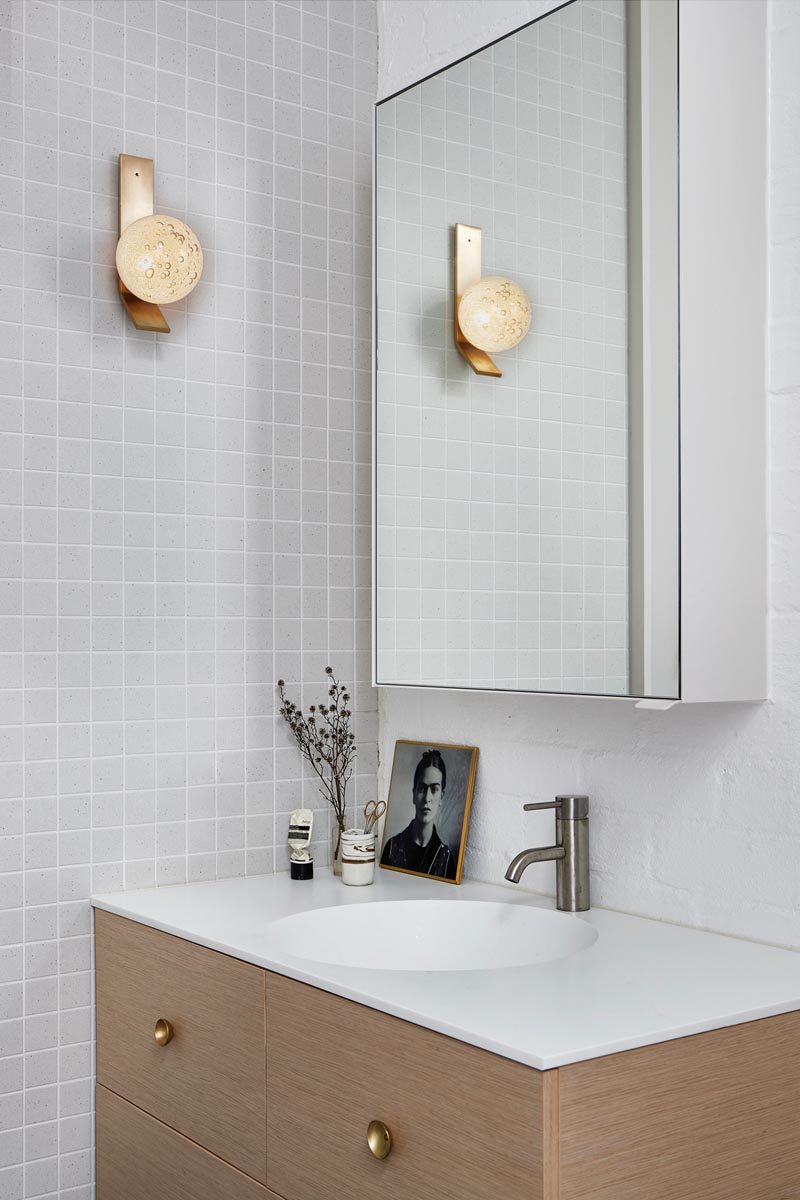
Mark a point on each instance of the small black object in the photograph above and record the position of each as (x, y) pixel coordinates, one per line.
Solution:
(301, 870)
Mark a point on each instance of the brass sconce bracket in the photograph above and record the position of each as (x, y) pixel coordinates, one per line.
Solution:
(467, 260)
(136, 199)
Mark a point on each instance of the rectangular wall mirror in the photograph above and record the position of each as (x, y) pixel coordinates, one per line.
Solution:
(527, 520)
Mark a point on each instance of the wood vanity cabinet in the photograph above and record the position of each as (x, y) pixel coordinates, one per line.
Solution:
(464, 1123)
(140, 1158)
(208, 1081)
(267, 1086)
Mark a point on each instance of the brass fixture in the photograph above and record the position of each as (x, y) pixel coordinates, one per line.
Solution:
(163, 1032)
(491, 314)
(159, 259)
(379, 1139)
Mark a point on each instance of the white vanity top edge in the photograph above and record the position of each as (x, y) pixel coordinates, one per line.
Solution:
(641, 982)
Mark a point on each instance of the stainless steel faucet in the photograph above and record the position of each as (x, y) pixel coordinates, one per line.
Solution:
(570, 853)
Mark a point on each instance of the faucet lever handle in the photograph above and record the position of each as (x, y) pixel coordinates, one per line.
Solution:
(569, 808)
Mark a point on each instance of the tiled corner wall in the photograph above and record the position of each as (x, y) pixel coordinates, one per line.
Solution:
(182, 518)
(502, 503)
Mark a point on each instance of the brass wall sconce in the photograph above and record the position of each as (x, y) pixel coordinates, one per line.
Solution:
(159, 259)
(492, 314)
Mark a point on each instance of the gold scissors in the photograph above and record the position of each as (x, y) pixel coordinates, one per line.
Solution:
(372, 814)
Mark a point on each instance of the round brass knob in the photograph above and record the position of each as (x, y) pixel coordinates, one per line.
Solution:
(379, 1139)
(163, 1032)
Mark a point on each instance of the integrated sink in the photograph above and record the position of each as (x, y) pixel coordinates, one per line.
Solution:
(431, 935)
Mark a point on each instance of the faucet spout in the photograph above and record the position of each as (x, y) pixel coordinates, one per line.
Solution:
(523, 860)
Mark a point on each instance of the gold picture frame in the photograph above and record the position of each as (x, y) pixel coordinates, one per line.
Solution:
(430, 781)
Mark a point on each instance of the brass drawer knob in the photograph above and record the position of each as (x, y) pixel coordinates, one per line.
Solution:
(379, 1139)
(163, 1032)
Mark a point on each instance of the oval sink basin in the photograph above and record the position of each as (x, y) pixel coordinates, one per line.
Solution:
(431, 935)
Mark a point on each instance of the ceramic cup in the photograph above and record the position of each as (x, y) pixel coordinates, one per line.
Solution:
(358, 857)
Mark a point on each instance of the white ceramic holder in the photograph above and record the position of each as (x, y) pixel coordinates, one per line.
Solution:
(358, 857)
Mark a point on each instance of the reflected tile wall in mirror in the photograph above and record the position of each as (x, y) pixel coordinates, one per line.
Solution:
(502, 504)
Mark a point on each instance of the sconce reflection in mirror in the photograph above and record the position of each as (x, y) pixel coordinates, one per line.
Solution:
(159, 259)
(492, 314)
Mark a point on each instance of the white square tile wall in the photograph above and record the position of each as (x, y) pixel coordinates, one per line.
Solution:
(502, 503)
(183, 518)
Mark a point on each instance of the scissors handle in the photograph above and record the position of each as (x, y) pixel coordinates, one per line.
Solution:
(372, 814)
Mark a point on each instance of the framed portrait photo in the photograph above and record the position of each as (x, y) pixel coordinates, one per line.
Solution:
(427, 809)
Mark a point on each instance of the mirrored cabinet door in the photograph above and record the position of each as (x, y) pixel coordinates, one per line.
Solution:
(526, 407)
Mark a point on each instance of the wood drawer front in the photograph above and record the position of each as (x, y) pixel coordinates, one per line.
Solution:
(466, 1124)
(138, 1158)
(209, 1081)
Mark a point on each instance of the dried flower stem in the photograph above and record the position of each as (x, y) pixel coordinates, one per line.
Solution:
(325, 740)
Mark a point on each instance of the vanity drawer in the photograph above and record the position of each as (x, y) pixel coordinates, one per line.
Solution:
(138, 1158)
(208, 1081)
(465, 1124)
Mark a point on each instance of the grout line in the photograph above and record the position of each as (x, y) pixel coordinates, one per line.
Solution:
(23, 670)
(274, 657)
(92, 964)
(187, 737)
(246, 565)
(216, 449)
(58, 633)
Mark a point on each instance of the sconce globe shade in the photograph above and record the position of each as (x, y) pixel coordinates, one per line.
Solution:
(159, 259)
(494, 314)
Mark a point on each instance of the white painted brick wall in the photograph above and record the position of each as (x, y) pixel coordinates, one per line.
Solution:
(695, 812)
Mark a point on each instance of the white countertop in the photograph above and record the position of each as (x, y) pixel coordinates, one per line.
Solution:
(641, 981)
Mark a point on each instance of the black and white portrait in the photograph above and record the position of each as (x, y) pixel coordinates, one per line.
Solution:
(427, 814)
